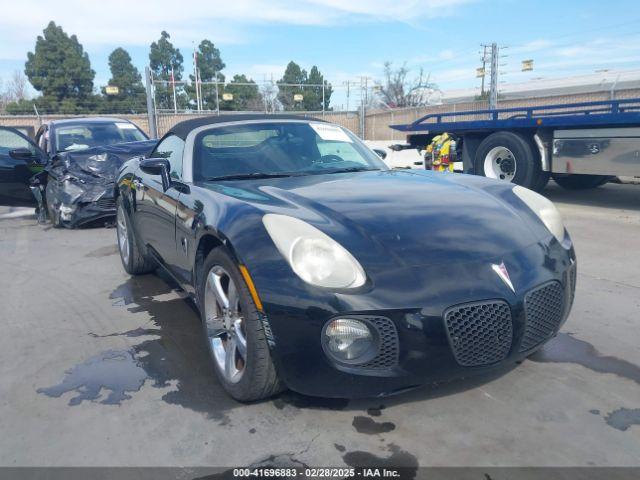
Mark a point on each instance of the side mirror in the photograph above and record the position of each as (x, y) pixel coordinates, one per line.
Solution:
(158, 166)
(381, 153)
(22, 153)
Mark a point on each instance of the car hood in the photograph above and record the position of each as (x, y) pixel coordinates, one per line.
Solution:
(420, 218)
(98, 162)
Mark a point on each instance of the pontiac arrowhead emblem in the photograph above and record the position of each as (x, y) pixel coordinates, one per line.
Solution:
(503, 273)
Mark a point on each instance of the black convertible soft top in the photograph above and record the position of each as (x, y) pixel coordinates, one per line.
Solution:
(182, 129)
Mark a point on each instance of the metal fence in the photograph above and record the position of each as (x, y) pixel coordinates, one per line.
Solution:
(373, 125)
(351, 120)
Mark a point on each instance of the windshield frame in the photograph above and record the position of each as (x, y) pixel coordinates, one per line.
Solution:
(53, 139)
(194, 135)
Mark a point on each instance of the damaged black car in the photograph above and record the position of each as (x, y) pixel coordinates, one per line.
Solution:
(73, 188)
(79, 185)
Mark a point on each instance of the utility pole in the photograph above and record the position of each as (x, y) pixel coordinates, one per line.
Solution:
(493, 89)
(364, 86)
(484, 65)
(217, 95)
(151, 111)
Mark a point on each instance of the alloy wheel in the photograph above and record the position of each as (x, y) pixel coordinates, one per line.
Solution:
(225, 324)
(123, 236)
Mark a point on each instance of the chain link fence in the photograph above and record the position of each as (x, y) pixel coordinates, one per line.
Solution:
(180, 101)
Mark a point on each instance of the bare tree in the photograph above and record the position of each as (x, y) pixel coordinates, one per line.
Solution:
(18, 86)
(269, 94)
(398, 90)
(4, 98)
(15, 90)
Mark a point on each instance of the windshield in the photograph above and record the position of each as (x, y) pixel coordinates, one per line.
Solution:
(278, 149)
(81, 136)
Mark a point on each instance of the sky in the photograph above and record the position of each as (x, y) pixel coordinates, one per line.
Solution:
(346, 39)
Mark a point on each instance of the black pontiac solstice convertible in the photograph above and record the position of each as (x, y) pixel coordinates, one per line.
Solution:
(317, 268)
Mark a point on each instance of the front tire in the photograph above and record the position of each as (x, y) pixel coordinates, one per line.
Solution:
(509, 157)
(580, 182)
(133, 260)
(233, 330)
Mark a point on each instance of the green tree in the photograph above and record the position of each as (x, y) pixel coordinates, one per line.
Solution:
(245, 97)
(291, 84)
(60, 69)
(210, 66)
(313, 94)
(296, 81)
(131, 96)
(163, 57)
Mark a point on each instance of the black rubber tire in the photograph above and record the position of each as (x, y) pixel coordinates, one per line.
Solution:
(138, 263)
(543, 179)
(260, 379)
(581, 182)
(528, 170)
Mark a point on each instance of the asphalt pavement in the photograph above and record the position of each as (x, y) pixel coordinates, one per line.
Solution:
(99, 368)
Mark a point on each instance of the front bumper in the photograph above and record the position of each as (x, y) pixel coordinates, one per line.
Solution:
(77, 204)
(444, 320)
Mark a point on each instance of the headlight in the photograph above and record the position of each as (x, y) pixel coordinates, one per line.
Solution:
(315, 257)
(544, 209)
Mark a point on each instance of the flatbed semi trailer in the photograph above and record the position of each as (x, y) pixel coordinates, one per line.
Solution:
(581, 145)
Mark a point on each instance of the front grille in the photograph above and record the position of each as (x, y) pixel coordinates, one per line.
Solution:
(388, 355)
(543, 311)
(480, 333)
(108, 203)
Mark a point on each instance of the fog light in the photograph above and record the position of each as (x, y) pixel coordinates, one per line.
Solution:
(349, 340)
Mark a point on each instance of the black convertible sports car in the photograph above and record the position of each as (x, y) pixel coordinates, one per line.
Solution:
(317, 268)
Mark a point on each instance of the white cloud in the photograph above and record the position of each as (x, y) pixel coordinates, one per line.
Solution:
(138, 23)
(532, 46)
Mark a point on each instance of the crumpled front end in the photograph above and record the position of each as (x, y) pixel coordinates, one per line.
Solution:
(79, 185)
(72, 203)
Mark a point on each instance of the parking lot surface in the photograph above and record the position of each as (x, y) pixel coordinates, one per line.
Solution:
(99, 368)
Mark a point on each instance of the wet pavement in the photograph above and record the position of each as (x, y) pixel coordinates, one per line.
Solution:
(99, 368)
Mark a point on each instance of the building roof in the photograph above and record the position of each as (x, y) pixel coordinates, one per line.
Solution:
(606, 80)
(182, 129)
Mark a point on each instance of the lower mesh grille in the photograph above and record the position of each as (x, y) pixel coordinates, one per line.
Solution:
(480, 333)
(571, 286)
(388, 355)
(543, 310)
(108, 203)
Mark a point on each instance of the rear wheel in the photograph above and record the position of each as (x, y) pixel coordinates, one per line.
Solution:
(233, 331)
(581, 182)
(509, 157)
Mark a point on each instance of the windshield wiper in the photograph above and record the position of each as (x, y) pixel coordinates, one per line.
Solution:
(241, 176)
(349, 169)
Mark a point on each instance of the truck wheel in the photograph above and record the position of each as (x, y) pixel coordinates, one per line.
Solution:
(581, 182)
(543, 179)
(509, 157)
